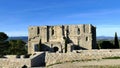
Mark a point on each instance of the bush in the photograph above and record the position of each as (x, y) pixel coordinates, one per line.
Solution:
(27, 55)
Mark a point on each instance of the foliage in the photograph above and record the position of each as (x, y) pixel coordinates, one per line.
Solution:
(3, 36)
(4, 45)
(106, 44)
(14, 47)
(116, 57)
(116, 42)
(27, 55)
(40, 44)
(17, 47)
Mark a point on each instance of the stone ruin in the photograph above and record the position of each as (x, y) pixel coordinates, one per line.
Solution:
(49, 45)
(62, 39)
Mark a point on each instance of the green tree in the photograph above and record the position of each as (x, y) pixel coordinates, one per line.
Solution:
(116, 42)
(99, 44)
(3, 37)
(14, 47)
(39, 45)
(3, 44)
(106, 45)
(17, 47)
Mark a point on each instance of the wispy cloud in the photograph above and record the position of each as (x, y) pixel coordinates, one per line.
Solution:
(54, 4)
(95, 13)
(16, 33)
(41, 8)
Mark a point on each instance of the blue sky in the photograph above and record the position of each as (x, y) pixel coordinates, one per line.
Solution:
(17, 15)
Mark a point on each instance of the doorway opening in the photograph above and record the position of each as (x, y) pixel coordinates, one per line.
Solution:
(55, 49)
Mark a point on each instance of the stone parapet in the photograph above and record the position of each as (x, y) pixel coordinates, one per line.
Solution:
(52, 58)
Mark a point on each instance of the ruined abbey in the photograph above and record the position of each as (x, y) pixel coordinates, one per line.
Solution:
(62, 39)
(49, 45)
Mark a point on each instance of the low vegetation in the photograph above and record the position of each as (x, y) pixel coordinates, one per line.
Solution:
(98, 66)
(18, 47)
(72, 61)
(108, 44)
(112, 57)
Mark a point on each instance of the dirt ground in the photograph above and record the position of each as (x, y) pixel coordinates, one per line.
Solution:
(104, 63)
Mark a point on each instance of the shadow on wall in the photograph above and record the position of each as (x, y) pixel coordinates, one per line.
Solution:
(42, 59)
(47, 48)
(39, 61)
(67, 40)
(77, 47)
(44, 47)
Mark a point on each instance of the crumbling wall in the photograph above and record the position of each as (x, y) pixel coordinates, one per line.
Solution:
(52, 58)
(12, 62)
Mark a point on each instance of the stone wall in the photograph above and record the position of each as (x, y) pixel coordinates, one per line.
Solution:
(12, 62)
(48, 58)
(52, 58)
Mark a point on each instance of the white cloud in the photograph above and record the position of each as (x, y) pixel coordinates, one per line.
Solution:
(16, 33)
(97, 13)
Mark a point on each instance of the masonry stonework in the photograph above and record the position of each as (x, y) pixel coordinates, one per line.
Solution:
(62, 39)
(80, 55)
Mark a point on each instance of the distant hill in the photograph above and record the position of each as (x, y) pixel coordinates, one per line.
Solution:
(105, 38)
(24, 38)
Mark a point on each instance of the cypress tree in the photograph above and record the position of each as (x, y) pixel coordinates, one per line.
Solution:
(39, 45)
(116, 42)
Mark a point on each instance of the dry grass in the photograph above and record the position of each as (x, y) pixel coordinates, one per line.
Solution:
(104, 63)
(105, 66)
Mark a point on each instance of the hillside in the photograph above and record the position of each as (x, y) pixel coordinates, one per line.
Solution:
(25, 38)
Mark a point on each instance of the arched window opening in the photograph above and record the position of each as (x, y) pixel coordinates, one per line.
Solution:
(84, 28)
(52, 31)
(38, 30)
(67, 31)
(31, 28)
(78, 31)
(24, 66)
(86, 38)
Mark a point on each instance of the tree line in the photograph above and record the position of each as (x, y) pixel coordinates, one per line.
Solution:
(18, 47)
(11, 47)
(109, 44)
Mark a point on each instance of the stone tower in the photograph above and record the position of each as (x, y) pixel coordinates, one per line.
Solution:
(63, 38)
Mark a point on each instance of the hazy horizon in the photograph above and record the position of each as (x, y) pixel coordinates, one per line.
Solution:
(27, 36)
